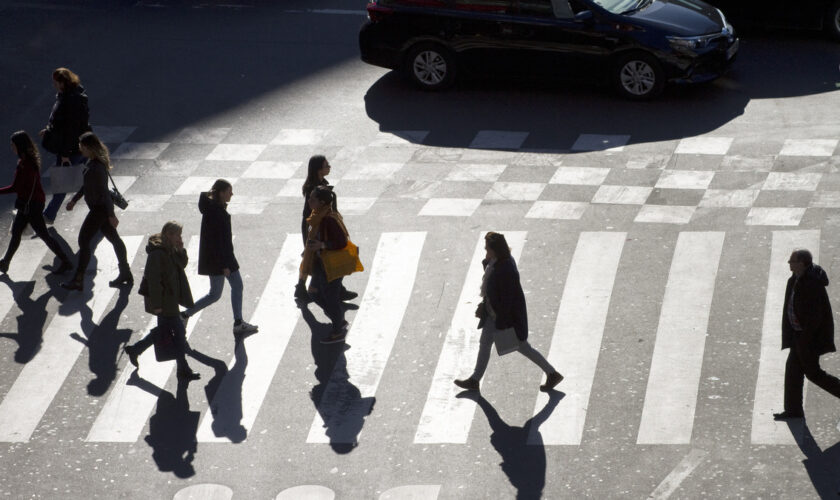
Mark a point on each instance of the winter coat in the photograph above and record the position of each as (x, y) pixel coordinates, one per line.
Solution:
(167, 281)
(812, 309)
(506, 298)
(95, 187)
(26, 184)
(215, 250)
(69, 119)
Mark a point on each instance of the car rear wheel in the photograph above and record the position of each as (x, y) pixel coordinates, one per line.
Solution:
(639, 76)
(833, 20)
(430, 66)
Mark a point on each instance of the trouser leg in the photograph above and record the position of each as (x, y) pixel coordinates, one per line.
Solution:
(175, 326)
(529, 352)
(90, 226)
(794, 379)
(36, 219)
(328, 295)
(18, 225)
(217, 283)
(484, 345)
(110, 233)
(810, 361)
(144, 343)
(235, 281)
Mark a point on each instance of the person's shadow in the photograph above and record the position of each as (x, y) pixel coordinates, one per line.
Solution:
(31, 320)
(823, 466)
(521, 448)
(345, 409)
(172, 429)
(226, 405)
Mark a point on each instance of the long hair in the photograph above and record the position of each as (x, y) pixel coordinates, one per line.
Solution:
(26, 149)
(316, 163)
(219, 186)
(498, 243)
(95, 146)
(170, 227)
(67, 78)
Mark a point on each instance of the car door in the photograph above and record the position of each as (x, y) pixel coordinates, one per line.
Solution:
(473, 30)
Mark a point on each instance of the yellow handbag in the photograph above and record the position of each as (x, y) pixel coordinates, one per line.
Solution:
(340, 263)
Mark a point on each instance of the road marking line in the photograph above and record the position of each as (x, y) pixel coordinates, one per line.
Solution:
(22, 269)
(683, 469)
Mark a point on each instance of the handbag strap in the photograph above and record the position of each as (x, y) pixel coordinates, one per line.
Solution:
(34, 181)
(112, 181)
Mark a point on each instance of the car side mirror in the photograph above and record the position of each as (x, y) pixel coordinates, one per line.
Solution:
(584, 16)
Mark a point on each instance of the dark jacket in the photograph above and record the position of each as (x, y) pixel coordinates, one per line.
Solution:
(95, 187)
(215, 251)
(26, 183)
(69, 119)
(505, 295)
(813, 311)
(168, 284)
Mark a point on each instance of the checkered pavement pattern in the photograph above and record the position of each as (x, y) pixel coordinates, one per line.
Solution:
(759, 181)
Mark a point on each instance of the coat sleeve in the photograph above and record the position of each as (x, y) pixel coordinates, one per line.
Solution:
(333, 237)
(11, 188)
(154, 277)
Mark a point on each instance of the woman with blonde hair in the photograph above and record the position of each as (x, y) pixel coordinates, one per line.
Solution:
(69, 119)
(29, 202)
(101, 215)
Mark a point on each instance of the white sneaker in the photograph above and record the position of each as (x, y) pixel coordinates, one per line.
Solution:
(244, 328)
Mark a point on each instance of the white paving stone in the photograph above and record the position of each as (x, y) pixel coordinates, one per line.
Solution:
(299, 137)
(113, 134)
(684, 179)
(293, 188)
(201, 135)
(568, 210)
(809, 147)
(373, 171)
(236, 152)
(729, 198)
(139, 150)
(580, 176)
(350, 205)
(521, 191)
(622, 195)
(454, 207)
(771, 216)
(250, 205)
(472, 172)
(600, 142)
(666, 214)
(146, 202)
(198, 185)
(271, 170)
(704, 145)
(498, 139)
(826, 199)
(791, 181)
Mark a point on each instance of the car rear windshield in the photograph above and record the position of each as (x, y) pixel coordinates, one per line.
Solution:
(619, 6)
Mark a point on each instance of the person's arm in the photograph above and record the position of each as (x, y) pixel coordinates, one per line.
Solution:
(153, 277)
(11, 188)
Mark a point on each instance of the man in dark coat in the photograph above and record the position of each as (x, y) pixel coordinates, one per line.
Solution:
(808, 330)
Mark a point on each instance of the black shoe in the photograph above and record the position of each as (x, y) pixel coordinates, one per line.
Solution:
(132, 355)
(4, 266)
(551, 381)
(301, 295)
(787, 415)
(188, 375)
(347, 294)
(62, 268)
(124, 278)
(76, 284)
(468, 384)
(338, 335)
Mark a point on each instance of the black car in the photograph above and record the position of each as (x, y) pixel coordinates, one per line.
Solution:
(637, 45)
(805, 14)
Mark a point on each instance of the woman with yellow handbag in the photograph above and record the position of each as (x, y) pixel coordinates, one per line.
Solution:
(328, 257)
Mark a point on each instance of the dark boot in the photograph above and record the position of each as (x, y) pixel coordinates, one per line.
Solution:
(124, 278)
(75, 284)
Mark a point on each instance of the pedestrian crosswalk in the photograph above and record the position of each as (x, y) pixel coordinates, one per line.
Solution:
(586, 308)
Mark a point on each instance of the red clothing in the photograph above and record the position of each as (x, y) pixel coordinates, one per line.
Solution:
(26, 183)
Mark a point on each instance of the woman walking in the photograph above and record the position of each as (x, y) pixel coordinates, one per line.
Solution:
(168, 288)
(316, 175)
(503, 308)
(101, 215)
(326, 231)
(69, 119)
(215, 255)
(30, 201)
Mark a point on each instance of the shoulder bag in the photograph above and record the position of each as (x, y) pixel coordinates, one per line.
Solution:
(117, 197)
(66, 178)
(340, 263)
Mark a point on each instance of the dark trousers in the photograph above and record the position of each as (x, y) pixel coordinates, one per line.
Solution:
(328, 295)
(58, 198)
(174, 326)
(804, 362)
(97, 220)
(32, 216)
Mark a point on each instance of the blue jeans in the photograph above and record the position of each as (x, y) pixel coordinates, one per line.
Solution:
(217, 284)
(58, 198)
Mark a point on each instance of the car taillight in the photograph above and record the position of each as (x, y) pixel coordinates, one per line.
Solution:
(377, 12)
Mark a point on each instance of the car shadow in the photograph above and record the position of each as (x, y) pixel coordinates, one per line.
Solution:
(554, 115)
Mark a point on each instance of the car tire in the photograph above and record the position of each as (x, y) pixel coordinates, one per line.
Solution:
(832, 20)
(430, 66)
(638, 76)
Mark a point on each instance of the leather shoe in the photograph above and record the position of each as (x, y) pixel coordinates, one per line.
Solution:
(347, 295)
(551, 381)
(787, 415)
(132, 355)
(467, 384)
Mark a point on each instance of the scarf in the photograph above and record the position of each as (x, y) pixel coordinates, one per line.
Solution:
(314, 221)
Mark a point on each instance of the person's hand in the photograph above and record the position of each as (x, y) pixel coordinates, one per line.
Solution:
(65, 160)
(114, 220)
(70, 205)
(42, 132)
(226, 272)
(157, 311)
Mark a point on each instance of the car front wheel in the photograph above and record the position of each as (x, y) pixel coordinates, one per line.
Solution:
(430, 67)
(639, 76)
(833, 20)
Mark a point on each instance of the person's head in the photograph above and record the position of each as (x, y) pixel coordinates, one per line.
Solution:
(64, 79)
(24, 148)
(92, 148)
(496, 246)
(320, 197)
(318, 168)
(171, 235)
(800, 260)
(221, 192)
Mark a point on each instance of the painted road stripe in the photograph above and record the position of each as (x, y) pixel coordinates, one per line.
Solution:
(446, 419)
(372, 336)
(671, 396)
(22, 268)
(235, 406)
(125, 412)
(578, 332)
(40, 380)
(683, 469)
(769, 387)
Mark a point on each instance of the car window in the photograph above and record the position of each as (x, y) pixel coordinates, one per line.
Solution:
(537, 8)
(496, 6)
